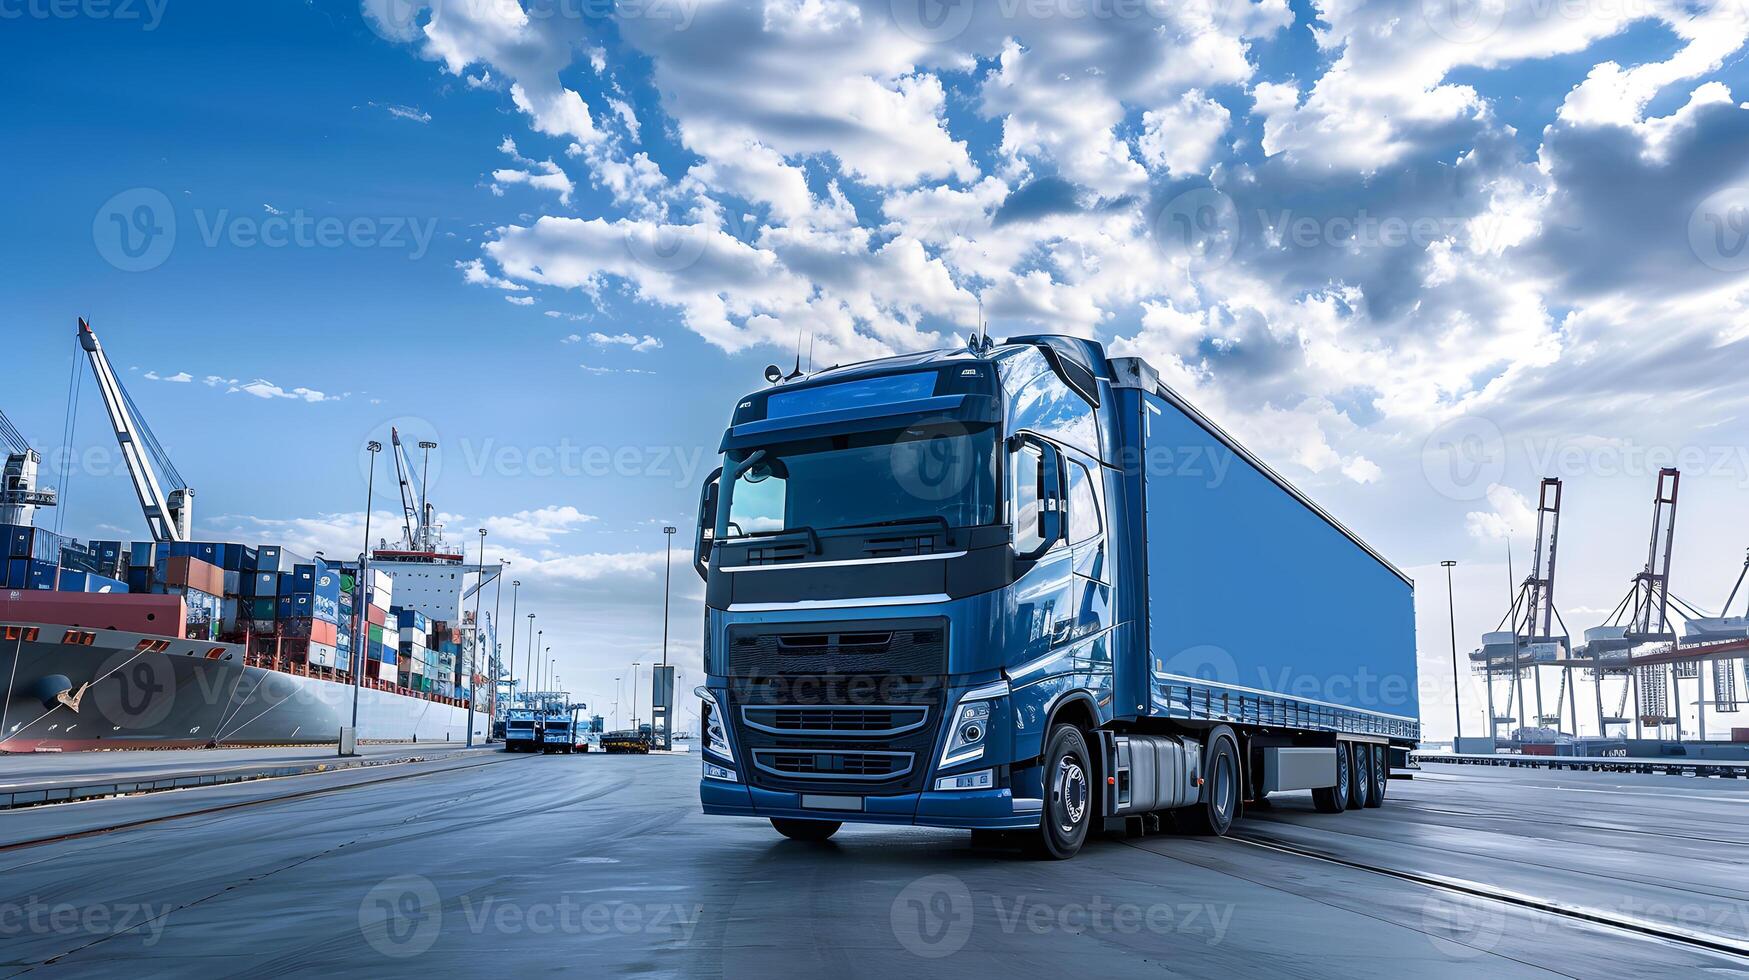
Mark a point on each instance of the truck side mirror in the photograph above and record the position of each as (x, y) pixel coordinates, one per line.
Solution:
(1052, 524)
(707, 523)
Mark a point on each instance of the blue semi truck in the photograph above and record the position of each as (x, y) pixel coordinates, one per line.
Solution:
(1027, 590)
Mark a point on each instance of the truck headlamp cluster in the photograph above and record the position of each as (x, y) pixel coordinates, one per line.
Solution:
(971, 724)
(716, 734)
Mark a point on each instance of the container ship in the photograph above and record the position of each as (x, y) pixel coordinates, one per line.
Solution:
(175, 643)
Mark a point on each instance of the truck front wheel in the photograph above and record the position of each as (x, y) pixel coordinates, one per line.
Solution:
(1070, 799)
(806, 830)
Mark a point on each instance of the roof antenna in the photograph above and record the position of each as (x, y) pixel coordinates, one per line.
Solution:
(798, 369)
(811, 334)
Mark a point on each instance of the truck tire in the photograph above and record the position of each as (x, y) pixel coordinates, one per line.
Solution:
(806, 830)
(1219, 807)
(1360, 774)
(1071, 798)
(1381, 775)
(1334, 799)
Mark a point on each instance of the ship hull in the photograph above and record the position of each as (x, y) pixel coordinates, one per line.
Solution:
(135, 691)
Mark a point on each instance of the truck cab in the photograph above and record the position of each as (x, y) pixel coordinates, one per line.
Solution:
(558, 732)
(521, 730)
(927, 602)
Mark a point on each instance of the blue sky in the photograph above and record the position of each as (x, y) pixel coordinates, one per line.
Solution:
(564, 239)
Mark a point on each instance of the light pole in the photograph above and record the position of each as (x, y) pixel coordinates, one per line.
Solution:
(635, 666)
(473, 667)
(540, 667)
(515, 594)
(667, 578)
(1451, 614)
(358, 628)
(528, 674)
(496, 662)
(618, 689)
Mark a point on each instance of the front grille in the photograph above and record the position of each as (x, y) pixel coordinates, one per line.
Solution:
(860, 721)
(834, 765)
(819, 704)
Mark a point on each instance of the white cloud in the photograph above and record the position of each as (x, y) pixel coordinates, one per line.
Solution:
(262, 388)
(180, 377)
(1183, 136)
(407, 112)
(1510, 514)
(538, 526)
(640, 344)
(520, 300)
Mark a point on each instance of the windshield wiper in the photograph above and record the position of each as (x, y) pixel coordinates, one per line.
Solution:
(813, 536)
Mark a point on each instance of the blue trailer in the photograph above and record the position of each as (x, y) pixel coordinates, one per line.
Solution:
(1027, 590)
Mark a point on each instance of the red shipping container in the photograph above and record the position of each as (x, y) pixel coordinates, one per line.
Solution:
(376, 616)
(325, 633)
(155, 615)
(1740, 734)
(196, 574)
(1538, 749)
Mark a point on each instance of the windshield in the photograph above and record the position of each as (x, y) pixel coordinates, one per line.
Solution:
(924, 472)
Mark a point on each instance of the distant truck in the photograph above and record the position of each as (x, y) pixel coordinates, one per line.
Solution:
(629, 742)
(522, 730)
(559, 732)
(1027, 588)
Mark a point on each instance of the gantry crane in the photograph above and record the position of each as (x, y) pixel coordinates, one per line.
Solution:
(19, 496)
(169, 516)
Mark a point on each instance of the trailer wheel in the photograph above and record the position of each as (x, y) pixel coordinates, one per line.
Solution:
(1334, 799)
(806, 830)
(1214, 816)
(1381, 775)
(1070, 796)
(1361, 770)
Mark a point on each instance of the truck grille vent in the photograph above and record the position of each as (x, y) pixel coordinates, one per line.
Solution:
(835, 720)
(835, 765)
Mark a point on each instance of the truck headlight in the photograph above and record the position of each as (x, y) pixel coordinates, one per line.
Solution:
(971, 719)
(716, 730)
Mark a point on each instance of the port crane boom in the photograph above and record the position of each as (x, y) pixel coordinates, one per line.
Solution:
(403, 466)
(169, 516)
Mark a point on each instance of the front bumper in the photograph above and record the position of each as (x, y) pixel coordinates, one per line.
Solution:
(992, 809)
